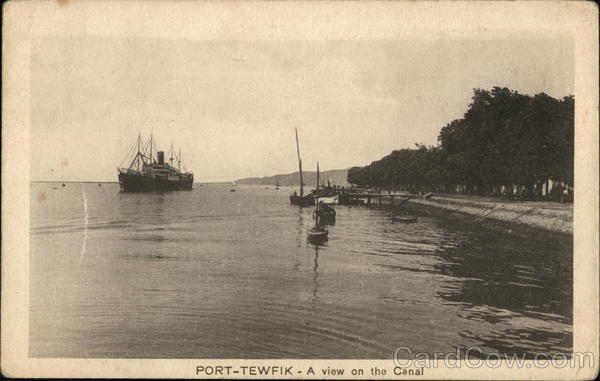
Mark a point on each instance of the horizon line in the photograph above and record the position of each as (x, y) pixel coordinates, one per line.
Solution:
(207, 181)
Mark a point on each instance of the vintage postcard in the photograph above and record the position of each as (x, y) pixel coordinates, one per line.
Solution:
(300, 190)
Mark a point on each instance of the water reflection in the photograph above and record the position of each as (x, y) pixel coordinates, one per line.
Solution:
(316, 274)
(299, 236)
(524, 280)
(522, 291)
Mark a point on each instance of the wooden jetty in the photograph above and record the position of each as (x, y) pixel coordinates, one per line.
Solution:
(394, 199)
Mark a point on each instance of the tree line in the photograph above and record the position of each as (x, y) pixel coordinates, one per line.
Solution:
(507, 143)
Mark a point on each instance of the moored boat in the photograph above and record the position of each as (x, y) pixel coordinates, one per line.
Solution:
(407, 219)
(325, 213)
(329, 200)
(319, 233)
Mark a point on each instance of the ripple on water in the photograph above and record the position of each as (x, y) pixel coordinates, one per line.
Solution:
(216, 274)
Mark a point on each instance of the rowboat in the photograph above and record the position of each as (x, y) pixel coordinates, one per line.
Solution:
(404, 219)
(329, 200)
(317, 234)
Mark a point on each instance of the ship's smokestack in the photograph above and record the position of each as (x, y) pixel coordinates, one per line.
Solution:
(161, 157)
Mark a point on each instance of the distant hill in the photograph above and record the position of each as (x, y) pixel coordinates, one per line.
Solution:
(335, 176)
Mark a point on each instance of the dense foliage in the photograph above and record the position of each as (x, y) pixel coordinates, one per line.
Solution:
(506, 143)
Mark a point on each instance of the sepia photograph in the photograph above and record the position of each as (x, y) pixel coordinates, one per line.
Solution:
(264, 199)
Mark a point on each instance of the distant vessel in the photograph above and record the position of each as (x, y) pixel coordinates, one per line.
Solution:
(301, 199)
(145, 174)
(277, 184)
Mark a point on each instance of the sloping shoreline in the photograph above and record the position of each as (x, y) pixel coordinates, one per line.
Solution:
(511, 216)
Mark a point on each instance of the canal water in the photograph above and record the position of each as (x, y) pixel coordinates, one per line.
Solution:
(217, 274)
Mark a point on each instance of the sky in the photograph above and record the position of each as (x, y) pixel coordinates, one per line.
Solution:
(232, 106)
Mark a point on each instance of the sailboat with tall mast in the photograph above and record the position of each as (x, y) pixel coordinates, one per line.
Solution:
(319, 232)
(145, 173)
(301, 199)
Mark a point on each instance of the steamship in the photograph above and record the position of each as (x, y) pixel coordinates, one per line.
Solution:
(145, 174)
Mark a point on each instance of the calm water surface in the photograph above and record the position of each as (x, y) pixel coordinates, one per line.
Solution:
(218, 274)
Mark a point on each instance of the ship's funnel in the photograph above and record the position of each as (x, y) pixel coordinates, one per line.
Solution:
(161, 157)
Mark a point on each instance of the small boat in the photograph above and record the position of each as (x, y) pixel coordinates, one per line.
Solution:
(54, 187)
(326, 214)
(99, 184)
(232, 190)
(302, 200)
(329, 200)
(404, 218)
(276, 185)
(317, 234)
(64, 185)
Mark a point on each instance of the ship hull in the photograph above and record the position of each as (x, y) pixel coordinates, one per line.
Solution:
(138, 183)
(307, 200)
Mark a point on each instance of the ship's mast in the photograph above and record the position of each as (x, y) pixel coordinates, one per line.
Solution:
(179, 160)
(299, 165)
(317, 194)
(138, 152)
(151, 159)
(171, 158)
